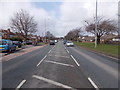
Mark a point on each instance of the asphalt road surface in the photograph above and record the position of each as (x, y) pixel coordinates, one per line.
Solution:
(59, 66)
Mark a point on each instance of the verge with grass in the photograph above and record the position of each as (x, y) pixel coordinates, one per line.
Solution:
(111, 50)
(41, 43)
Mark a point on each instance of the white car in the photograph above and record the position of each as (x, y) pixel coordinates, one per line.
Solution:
(69, 43)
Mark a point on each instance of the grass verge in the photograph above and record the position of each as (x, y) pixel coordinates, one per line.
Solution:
(41, 43)
(111, 50)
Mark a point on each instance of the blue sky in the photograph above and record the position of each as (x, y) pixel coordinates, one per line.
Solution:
(49, 7)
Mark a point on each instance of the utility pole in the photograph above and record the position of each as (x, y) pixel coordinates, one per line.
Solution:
(96, 25)
(45, 31)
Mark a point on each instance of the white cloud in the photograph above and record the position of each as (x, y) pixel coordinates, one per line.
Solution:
(72, 14)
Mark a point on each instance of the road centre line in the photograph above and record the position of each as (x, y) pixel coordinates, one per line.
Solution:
(65, 47)
(75, 60)
(49, 51)
(20, 85)
(59, 63)
(51, 82)
(41, 60)
(94, 85)
(67, 50)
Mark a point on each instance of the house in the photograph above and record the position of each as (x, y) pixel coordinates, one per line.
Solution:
(87, 38)
(6, 33)
(117, 38)
(107, 37)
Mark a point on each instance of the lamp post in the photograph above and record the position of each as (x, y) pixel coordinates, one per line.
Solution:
(96, 25)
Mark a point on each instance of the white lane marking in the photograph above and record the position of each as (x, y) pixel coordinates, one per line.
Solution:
(41, 61)
(109, 56)
(20, 85)
(75, 60)
(61, 56)
(54, 47)
(94, 85)
(67, 50)
(49, 51)
(52, 82)
(65, 47)
(60, 63)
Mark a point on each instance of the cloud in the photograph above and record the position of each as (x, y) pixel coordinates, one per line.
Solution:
(71, 14)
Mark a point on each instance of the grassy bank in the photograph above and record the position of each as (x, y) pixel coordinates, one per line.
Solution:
(41, 43)
(103, 48)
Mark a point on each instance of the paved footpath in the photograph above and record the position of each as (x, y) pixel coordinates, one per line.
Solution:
(19, 53)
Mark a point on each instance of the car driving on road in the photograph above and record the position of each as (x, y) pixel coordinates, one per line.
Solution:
(52, 42)
(7, 45)
(69, 44)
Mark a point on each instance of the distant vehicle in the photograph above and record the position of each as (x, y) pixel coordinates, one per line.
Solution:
(7, 45)
(56, 41)
(64, 41)
(29, 42)
(52, 42)
(18, 43)
(69, 44)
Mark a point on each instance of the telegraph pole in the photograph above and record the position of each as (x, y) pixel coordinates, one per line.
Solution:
(96, 26)
(45, 31)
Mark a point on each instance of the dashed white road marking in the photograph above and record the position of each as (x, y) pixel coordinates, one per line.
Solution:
(49, 51)
(52, 82)
(41, 61)
(60, 63)
(67, 50)
(75, 60)
(94, 85)
(20, 85)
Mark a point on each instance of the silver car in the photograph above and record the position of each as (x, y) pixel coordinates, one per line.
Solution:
(69, 44)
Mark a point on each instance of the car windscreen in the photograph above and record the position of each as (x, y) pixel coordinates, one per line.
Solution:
(69, 42)
(3, 42)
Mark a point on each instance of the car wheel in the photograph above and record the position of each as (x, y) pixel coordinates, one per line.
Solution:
(9, 50)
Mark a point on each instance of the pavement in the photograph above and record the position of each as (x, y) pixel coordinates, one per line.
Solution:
(17, 49)
(18, 52)
(59, 66)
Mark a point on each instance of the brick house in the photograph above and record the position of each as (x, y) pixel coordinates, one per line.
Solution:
(87, 38)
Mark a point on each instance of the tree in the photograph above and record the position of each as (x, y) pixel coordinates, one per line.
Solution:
(23, 23)
(73, 34)
(49, 35)
(104, 26)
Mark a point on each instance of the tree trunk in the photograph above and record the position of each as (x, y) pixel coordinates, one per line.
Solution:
(98, 39)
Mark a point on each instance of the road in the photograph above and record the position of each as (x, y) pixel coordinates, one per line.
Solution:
(60, 67)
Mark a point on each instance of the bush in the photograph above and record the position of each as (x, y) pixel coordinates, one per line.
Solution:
(16, 39)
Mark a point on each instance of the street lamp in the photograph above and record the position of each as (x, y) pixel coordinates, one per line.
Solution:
(96, 26)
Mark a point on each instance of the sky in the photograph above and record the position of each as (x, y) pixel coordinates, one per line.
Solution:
(60, 16)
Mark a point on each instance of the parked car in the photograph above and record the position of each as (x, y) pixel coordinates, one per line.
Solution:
(52, 42)
(29, 42)
(17, 43)
(69, 43)
(7, 45)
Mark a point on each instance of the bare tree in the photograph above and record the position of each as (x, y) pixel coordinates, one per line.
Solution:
(73, 34)
(23, 23)
(104, 26)
(49, 35)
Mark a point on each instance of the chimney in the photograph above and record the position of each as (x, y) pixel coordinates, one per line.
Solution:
(8, 30)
